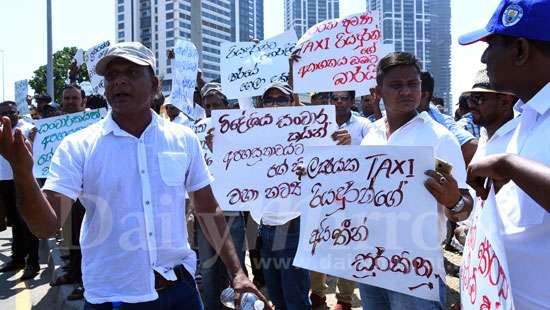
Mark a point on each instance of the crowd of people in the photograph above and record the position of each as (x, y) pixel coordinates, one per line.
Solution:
(140, 172)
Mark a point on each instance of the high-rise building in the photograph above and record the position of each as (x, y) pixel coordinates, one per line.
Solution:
(423, 28)
(303, 14)
(158, 23)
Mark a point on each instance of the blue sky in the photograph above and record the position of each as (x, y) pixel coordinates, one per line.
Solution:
(83, 23)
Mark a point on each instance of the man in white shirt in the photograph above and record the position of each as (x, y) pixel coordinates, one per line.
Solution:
(399, 85)
(24, 243)
(517, 59)
(494, 111)
(131, 171)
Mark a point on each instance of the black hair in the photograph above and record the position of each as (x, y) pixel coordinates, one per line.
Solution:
(77, 87)
(350, 92)
(428, 84)
(158, 102)
(96, 102)
(8, 103)
(393, 60)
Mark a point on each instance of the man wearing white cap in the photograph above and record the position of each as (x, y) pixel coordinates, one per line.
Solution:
(131, 171)
(517, 59)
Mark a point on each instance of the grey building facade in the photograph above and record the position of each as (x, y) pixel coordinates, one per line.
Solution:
(208, 23)
(423, 28)
(300, 15)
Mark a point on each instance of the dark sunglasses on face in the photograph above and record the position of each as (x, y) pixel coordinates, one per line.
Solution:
(476, 99)
(336, 98)
(278, 101)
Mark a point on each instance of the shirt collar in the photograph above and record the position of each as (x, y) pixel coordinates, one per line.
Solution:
(507, 127)
(540, 103)
(110, 126)
(423, 117)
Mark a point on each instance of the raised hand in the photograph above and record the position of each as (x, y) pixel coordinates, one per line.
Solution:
(15, 148)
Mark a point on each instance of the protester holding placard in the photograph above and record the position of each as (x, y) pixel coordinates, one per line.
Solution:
(399, 85)
(215, 276)
(131, 171)
(25, 244)
(288, 286)
(517, 59)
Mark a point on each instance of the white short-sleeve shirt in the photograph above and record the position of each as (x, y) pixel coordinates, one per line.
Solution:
(5, 168)
(422, 130)
(526, 233)
(358, 127)
(133, 190)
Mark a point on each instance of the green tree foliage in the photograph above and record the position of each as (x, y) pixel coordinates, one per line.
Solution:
(61, 64)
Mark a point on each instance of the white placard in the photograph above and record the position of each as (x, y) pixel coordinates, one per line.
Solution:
(367, 217)
(79, 57)
(21, 92)
(184, 76)
(485, 279)
(51, 131)
(93, 55)
(247, 68)
(201, 129)
(340, 54)
(257, 152)
(87, 88)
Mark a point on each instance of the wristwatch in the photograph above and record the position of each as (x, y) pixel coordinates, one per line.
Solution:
(459, 206)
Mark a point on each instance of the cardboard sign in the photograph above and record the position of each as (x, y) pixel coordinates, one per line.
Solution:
(367, 217)
(340, 54)
(247, 68)
(258, 151)
(93, 55)
(184, 76)
(21, 92)
(485, 280)
(51, 131)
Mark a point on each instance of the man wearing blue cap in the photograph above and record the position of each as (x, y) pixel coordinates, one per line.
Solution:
(517, 59)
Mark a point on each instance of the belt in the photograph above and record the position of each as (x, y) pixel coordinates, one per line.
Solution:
(161, 283)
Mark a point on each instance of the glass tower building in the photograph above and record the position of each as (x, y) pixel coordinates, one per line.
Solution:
(158, 23)
(423, 28)
(303, 14)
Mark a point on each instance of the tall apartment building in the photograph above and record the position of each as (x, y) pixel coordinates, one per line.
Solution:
(423, 28)
(158, 23)
(303, 14)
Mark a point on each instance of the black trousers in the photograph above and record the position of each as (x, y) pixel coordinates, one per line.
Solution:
(24, 244)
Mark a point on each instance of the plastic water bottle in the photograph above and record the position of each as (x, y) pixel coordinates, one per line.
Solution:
(249, 301)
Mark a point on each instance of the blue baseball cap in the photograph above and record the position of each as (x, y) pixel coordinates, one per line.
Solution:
(515, 18)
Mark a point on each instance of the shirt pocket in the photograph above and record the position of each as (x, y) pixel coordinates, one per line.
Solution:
(173, 167)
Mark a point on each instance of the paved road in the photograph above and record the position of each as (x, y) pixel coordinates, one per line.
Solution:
(23, 295)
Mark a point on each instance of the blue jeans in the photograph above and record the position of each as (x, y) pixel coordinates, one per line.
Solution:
(377, 298)
(183, 295)
(215, 277)
(287, 286)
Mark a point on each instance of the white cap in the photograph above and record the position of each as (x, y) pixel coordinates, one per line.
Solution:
(131, 51)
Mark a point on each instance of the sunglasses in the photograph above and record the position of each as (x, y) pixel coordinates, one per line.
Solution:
(343, 98)
(277, 101)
